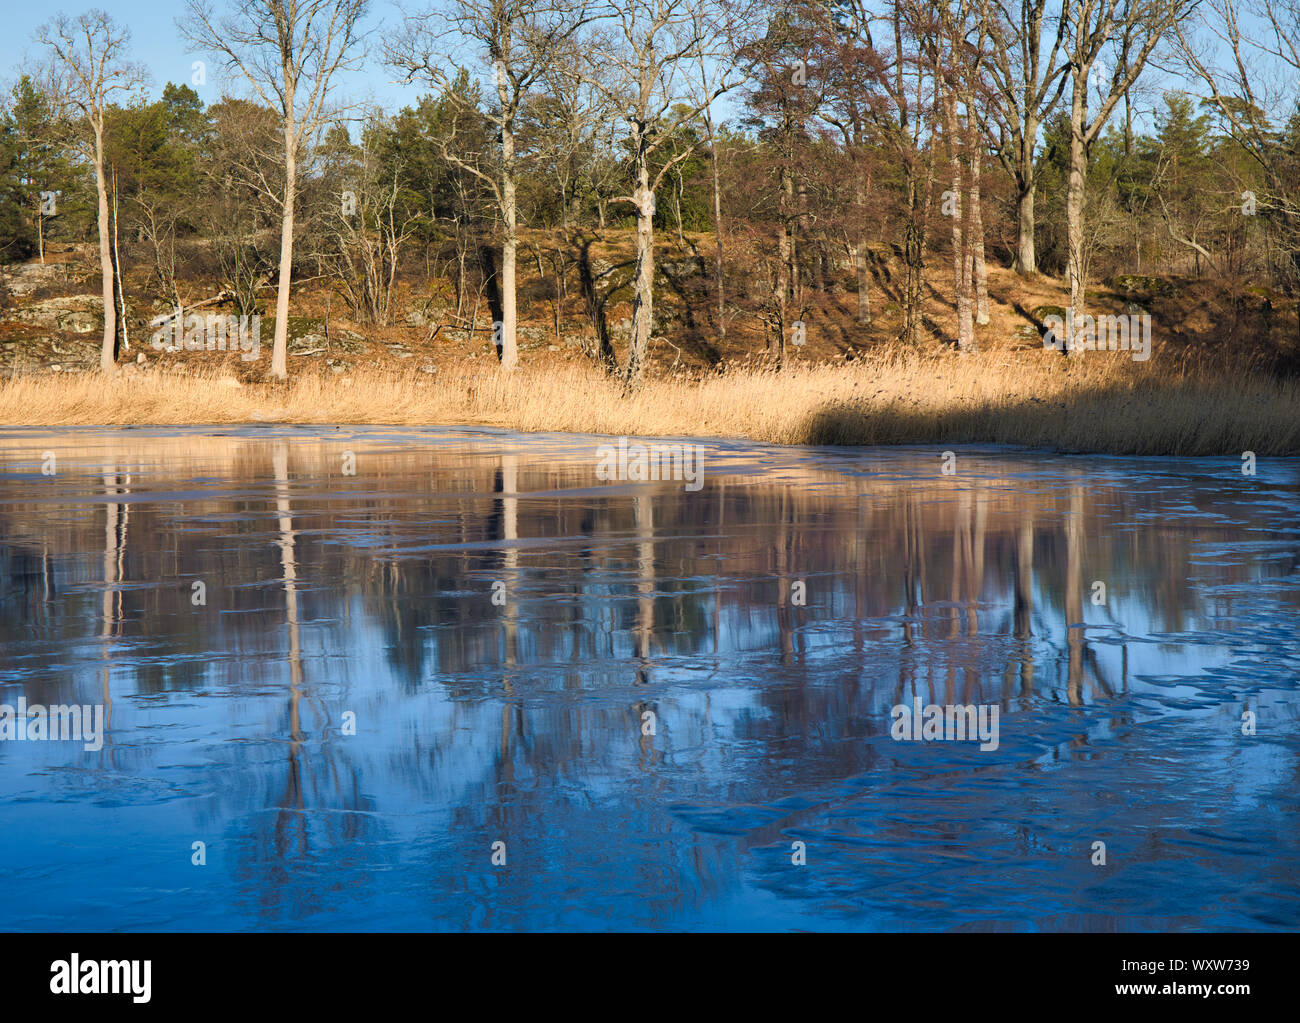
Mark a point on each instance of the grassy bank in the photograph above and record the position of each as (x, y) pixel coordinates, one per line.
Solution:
(1092, 403)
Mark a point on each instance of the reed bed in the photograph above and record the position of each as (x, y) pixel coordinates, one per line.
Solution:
(1100, 402)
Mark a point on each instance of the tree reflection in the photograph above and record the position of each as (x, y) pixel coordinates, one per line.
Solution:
(522, 722)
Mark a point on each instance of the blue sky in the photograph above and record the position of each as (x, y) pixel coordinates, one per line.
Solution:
(157, 43)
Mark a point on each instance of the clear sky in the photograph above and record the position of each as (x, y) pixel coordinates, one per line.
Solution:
(158, 44)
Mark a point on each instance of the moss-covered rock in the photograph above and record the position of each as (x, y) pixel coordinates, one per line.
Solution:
(1143, 284)
(1042, 312)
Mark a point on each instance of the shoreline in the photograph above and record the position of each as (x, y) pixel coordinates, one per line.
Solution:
(1070, 406)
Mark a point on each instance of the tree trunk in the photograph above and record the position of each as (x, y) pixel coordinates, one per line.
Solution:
(643, 302)
(595, 309)
(809, 254)
(965, 306)
(961, 259)
(790, 219)
(280, 349)
(509, 247)
(1026, 181)
(782, 292)
(108, 351)
(1026, 255)
(914, 240)
(786, 268)
(914, 259)
(124, 337)
(864, 282)
(717, 229)
(981, 272)
(1074, 195)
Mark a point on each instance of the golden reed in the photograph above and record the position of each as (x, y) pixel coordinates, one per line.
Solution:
(1092, 403)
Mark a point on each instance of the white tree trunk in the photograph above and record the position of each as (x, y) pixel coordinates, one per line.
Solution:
(961, 256)
(981, 272)
(280, 349)
(107, 356)
(509, 251)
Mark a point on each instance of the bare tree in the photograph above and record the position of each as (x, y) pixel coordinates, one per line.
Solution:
(572, 121)
(368, 226)
(519, 42)
(90, 65)
(244, 182)
(652, 46)
(158, 217)
(949, 40)
(962, 35)
(1251, 72)
(909, 80)
(289, 52)
(1027, 86)
(1108, 43)
(852, 69)
(711, 141)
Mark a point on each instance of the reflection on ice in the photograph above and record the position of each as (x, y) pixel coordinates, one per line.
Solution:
(349, 685)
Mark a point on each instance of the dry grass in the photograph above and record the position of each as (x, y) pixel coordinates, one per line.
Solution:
(1098, 402)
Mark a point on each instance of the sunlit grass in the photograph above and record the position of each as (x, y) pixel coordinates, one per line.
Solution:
(1098, 402)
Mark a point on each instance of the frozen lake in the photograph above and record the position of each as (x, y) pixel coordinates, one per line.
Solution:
(364, 666)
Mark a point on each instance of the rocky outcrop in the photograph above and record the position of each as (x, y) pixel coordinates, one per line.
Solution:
(24, 279)
(76, 314)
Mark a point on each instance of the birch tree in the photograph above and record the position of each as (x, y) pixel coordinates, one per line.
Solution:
(289, 52)
(963, 33)
(516, 43)
(90, 66)
(644, 62)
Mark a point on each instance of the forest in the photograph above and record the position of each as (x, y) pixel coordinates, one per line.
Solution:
(651, 186)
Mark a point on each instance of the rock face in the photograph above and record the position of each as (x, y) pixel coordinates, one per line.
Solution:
(77, 314)
(23, 280)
